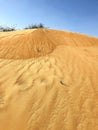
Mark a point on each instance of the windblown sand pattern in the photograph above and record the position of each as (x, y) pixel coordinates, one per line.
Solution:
(48, 80)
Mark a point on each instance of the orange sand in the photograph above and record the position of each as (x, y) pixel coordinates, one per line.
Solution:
(48, 80)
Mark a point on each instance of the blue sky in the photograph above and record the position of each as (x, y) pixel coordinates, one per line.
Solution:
(72, 15)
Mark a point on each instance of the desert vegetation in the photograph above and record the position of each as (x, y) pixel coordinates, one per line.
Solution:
(12, 28)
(6, 28)
(32, 26)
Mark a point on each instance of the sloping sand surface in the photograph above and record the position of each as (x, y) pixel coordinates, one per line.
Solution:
(48, 80)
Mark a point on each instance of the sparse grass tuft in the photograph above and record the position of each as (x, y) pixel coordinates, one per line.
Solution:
(33, 26)
(6, 29)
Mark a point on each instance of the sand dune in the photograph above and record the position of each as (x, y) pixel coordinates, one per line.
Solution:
(48, 80)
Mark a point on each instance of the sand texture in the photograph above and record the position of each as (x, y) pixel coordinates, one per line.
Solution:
(48, 80)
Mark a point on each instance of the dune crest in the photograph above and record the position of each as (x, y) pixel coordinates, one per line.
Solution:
(48, 81)
(39, 42)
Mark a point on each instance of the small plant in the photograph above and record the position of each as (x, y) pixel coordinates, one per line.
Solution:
(32, 26)
(41, 25)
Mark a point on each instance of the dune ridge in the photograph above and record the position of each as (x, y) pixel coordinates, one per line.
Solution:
(52, 88)
(39, 42)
